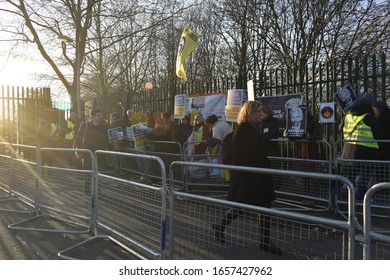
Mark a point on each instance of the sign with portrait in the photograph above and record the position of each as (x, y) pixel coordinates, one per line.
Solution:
(296, 121)
(280, 104)
(346, 98)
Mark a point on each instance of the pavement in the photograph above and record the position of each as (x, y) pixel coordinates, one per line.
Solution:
(28, 244)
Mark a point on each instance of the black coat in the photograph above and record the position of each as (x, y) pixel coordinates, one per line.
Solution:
(250, 149)
(384, 122)
(93, 137)
(269, 129)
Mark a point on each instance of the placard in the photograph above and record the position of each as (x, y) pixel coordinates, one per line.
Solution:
(346, 98)
(327, 112)
(180, 102)
(233, 104)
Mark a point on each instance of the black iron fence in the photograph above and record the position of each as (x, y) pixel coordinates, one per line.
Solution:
(21, 109)
(317, 84)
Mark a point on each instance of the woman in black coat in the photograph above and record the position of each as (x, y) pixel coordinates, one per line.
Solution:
(249, 149)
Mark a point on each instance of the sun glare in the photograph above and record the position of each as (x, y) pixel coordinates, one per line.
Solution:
(15, 72)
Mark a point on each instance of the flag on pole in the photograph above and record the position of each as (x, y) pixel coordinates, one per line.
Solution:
(188, 41)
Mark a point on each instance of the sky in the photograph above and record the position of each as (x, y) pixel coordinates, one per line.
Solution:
(24, 72)
(16, 71)
(23, 66)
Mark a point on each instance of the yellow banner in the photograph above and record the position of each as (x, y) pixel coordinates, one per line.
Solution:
(188, 41)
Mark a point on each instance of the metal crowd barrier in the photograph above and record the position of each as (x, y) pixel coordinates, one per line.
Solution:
(5, 170)
(204, 180)
(168, 151)
(21, 180)
(296, 189)
(364, 174)
(300, 148)
(298, 236)
(380, 237)
(128, 215)
(99, 202)
(214, 183)
(62, 196)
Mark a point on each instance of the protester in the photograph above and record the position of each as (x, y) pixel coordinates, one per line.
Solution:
(150, 119)
(44, 138)
(198, 137)
(93, 136)
(360, 123)
(218, 127)
(162, 132)
(250, 149)
(184, 130)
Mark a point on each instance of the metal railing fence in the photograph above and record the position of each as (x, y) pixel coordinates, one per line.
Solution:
(100, 201)
(190, 225)
(128, 210)
(382, 239)
(61, 195)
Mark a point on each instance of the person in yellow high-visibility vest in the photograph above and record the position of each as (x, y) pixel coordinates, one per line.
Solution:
(361, 129)
(71, 128)
(69, 132)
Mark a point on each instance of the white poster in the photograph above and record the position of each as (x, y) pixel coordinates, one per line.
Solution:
(207, 105)
(251, 90)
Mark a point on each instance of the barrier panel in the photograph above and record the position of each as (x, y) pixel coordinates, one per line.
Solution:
(204, 180)
(304, 190)
(298, 236)
(168, 151)
(379, 235)
(63, 201)
(300, 148)
(5, 170)
(128, 214)
(21, 178)
(364, 174)
(214, 183)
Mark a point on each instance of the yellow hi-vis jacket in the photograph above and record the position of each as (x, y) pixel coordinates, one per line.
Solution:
(199, 135)
(69, 125)
(356, 129)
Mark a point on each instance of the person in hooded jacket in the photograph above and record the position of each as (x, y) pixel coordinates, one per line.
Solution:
(361, 124)
(250, 149)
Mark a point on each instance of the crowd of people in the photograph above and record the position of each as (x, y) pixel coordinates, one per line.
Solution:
(250, 144)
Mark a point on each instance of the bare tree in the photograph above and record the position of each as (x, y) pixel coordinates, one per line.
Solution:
(43, 23)
(89, 27)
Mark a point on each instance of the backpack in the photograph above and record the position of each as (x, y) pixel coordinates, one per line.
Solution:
(227, 149)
